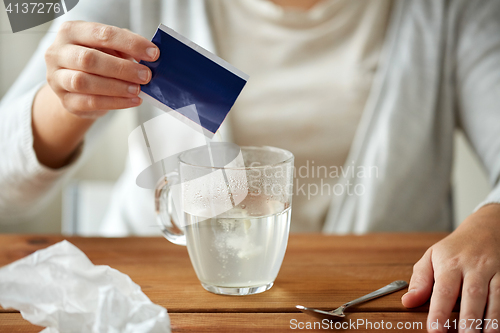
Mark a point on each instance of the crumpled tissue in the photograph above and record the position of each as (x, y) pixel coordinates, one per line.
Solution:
(59, 288)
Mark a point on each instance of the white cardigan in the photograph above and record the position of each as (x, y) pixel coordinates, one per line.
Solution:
(440, 69)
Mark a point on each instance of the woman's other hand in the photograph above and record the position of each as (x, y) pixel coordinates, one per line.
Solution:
(90, 70)
(90, 67)
(467, 262)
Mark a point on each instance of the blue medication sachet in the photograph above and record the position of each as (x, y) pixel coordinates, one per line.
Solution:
(187, 74)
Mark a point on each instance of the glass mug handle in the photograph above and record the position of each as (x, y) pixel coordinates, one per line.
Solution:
(164, 212)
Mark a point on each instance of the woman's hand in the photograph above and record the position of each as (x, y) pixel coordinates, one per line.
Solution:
(467, 262)
(90, 70)
(90, 67)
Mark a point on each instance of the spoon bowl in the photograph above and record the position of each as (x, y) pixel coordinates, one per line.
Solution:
(320, 314)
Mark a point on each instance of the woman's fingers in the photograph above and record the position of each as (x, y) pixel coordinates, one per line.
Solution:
(92, 67)
(96, 62)
(474, 296)
(421, 282)
(97, 35)
(85, 83)
(444, 296)
(492, 316)
(118, 54)
(88, 106)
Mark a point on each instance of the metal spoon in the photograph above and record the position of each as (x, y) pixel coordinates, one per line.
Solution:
(339, 312)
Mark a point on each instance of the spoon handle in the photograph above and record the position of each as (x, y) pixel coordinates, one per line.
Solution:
(390, 288)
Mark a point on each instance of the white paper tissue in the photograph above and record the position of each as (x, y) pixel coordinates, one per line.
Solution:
(59, 288)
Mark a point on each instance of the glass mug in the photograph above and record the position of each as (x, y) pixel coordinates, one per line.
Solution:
(231, 207)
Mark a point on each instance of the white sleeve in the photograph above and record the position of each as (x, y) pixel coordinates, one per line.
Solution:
(478, 86)
(25, 184)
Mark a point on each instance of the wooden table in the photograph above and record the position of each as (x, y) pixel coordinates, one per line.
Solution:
(318, 271)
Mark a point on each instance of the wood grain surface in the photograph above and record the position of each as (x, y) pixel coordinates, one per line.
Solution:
(265, 322)
(318, 271)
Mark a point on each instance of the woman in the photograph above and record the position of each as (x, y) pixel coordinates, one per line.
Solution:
(364, 84)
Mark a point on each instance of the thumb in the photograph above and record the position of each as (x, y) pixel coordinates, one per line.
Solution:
(421, 282)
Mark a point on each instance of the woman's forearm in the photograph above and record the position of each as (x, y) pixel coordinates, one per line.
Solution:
(56, 132)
